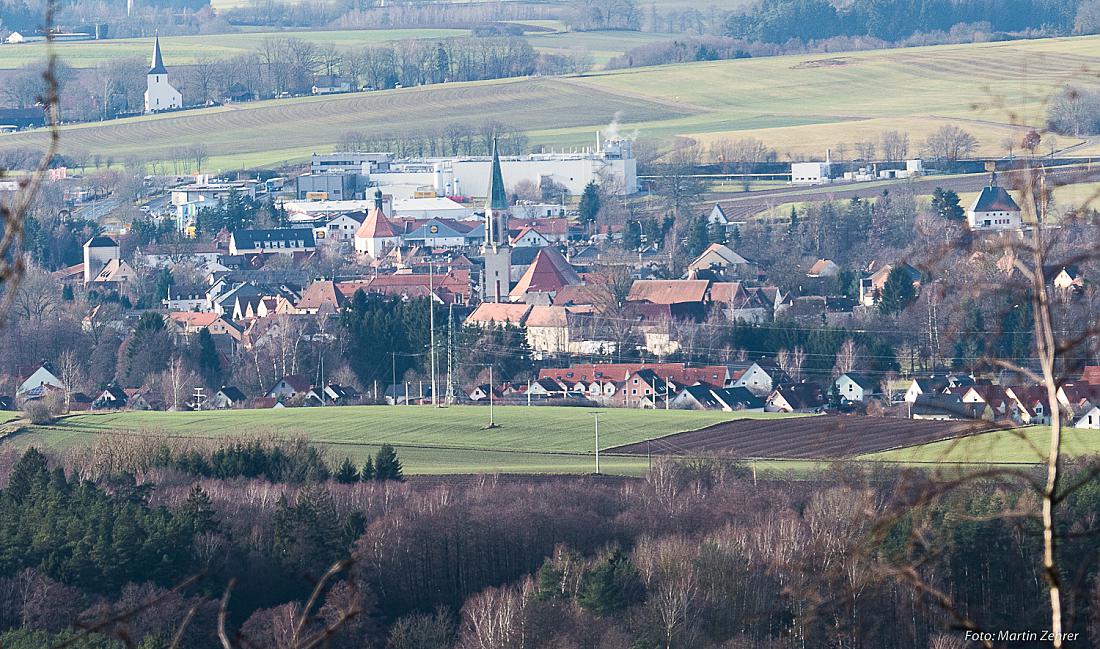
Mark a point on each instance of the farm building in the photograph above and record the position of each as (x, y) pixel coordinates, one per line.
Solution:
(811, 173)
(994, 209)
(331, 85)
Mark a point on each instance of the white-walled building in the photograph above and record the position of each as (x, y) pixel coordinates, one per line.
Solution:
(190, 200)
(159, 94)
(309, 211)
(811, 173)
(468, 176)
(98, 252)
(994, 209)
(377, 232)
(431, 208)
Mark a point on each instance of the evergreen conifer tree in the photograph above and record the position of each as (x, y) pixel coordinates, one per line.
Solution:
(386, 464)
(590, 203)
(346, 474)
(897, 292)
(367, 472)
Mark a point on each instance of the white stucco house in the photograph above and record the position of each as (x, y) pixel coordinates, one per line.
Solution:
(855, 387)
(1089, 419)
(994, 209)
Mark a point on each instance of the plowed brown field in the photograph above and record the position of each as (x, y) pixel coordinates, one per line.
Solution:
(803, 438)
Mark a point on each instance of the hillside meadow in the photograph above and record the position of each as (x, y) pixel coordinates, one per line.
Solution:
(186, 50)
(1028, 445)
(429, 440)
(434, 441)
(804, 104)
(800, 105)
(544, 36)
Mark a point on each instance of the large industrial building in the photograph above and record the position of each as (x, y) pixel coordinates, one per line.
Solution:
(344, 175)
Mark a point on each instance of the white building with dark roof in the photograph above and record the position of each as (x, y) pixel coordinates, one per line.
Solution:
(98, 252)
(278, 240)
(994, 209)
(159, 94)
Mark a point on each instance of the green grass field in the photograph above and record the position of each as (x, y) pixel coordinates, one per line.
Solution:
(528, 439)
(444, 440)
(186, 50)
(269, 132)
(799, 104)
(602, 45)
(805, 103)
(1022, 445)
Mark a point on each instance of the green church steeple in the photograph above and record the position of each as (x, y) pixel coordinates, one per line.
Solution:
(497, 200)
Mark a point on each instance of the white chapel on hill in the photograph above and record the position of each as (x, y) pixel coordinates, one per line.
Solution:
(159, 94)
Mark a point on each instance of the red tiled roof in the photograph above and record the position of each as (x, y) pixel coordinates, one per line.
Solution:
(456, 281)
(297, 381)
(1091, 374)
(322, 294)
(548, 273)
(500, 313)
(547, 316)
(587, 294)
(668, 291)
(76, 270)
(193, 318)
(376, 226)
(676, 372)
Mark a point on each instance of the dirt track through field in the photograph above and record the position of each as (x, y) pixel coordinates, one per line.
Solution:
(824, 438)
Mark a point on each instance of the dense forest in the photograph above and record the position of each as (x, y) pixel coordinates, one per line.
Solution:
(778, 21)
(27, 15)
(128, 549)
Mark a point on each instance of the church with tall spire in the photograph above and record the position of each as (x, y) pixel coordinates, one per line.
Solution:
(496, 251)
(159, 94)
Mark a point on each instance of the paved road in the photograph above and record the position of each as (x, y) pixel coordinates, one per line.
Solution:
(96, 210)
(743, 206)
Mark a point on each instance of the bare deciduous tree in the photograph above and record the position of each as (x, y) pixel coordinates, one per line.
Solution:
(667, 566)
(895, 145)
(845, 358)
(494, 618)
(949, 142)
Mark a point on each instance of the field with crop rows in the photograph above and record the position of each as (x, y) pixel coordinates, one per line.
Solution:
(799, 104)
(267, 132)
(820, 438)
(430, 440)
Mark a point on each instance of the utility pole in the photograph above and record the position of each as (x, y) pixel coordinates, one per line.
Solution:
(450, 353)
(528, 391)
(596, 417)
(667, 395)
(431, 325)
(492, 424)
(393, 368)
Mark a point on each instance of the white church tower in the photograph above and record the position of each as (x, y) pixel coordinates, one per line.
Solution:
(497, 252)
(159, 94)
